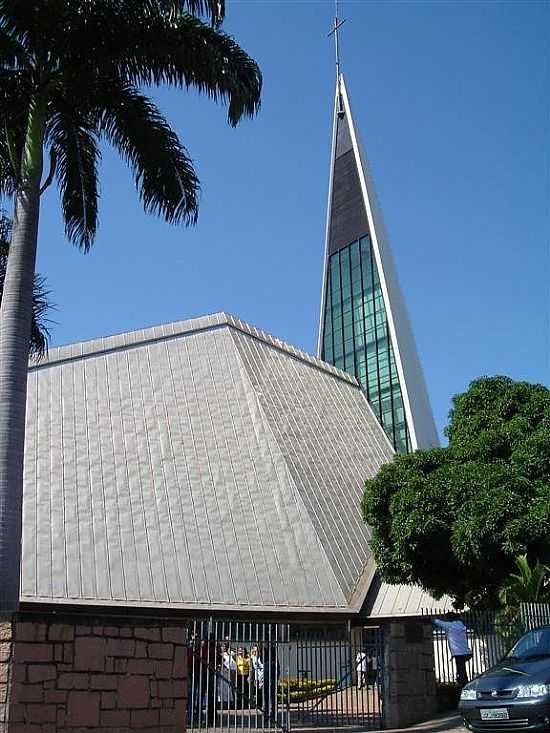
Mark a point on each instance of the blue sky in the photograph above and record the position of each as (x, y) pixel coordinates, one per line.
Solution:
(452, 103)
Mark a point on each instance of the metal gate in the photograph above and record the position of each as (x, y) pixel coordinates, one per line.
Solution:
(236, 671)
(248, 676)
(340, 678)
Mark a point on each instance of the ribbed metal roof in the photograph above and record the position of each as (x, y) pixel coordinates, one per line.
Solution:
(385, 600)
(201, 464)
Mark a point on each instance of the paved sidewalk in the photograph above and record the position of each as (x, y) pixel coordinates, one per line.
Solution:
(450, 723)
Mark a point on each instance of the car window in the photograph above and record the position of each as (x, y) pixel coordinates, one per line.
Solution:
(534, 643)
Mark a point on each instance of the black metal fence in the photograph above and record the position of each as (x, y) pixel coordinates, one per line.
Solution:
(249, 676)
(490, 635)
(535, 614)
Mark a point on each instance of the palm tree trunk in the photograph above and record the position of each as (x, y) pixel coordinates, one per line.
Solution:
(15, 330)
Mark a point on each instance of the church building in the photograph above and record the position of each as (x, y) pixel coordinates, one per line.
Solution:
(192, 492)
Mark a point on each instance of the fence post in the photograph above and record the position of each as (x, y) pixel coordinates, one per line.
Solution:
(409, 677)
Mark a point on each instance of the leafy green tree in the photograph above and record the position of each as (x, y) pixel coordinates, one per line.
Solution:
(454, 519)
(40, 334)
(73, 73)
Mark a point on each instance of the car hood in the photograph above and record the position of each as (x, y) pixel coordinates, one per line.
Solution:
(509, 673)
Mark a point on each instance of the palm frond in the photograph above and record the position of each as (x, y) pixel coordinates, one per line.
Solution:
(12, 52)
(5, 234)
(213, 9)
(7, 178)
(75, 145)
(529, 585)
(14, 103)
(187, 52)
(161, 47)
(163, 172)
(38, 25)
(10, 157)
(41, 305)
(40, 334)
(95, 54)
(144, 41)
(193, 54)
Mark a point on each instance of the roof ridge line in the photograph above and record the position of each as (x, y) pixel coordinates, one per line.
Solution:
(298, 494)
(174, 329)
(124, 339)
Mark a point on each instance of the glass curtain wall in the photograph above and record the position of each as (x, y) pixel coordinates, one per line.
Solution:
(356, 335)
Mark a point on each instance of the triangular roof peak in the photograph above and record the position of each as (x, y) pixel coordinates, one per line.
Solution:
(175, 329)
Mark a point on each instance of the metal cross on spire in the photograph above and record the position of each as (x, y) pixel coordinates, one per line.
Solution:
(334, 31)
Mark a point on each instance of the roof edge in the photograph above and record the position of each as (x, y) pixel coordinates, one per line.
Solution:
(174, 329)
(183, 606)
(359, 595)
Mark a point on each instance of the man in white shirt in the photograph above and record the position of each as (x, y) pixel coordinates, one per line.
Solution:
(361, 662)
(458, 644)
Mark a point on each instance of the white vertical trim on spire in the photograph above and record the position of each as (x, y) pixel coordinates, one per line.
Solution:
(420, 423)
(327, 224)
(380, 266)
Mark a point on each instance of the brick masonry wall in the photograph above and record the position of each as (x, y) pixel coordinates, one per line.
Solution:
(409, 673)
(74, 675)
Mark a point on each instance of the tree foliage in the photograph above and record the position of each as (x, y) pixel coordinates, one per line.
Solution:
(80, 70)
(40, 334)
(454, 519)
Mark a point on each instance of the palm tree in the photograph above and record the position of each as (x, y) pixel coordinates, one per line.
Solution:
(72, 73)
(529, 585)
(40, 334)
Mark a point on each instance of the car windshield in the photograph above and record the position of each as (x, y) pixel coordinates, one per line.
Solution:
(534, 644)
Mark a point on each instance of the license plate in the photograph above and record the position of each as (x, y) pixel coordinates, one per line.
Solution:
(494, 714)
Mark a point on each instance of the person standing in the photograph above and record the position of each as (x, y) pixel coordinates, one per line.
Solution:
(361, 665)
(372, 668)
(227, 676)
(457, 639)
(243, 676)
(258, 674)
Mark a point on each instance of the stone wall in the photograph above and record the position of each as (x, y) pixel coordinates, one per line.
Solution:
(409, 673)
(76, 674)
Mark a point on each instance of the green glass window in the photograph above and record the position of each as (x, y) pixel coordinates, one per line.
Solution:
(356, 335)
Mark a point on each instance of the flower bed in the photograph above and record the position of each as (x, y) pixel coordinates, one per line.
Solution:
(300, 690)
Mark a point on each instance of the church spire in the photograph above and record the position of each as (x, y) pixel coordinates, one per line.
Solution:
(364, 328)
